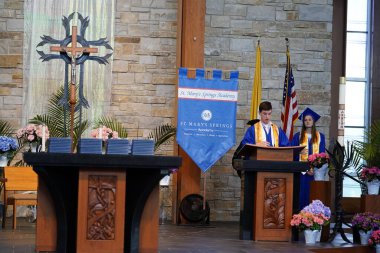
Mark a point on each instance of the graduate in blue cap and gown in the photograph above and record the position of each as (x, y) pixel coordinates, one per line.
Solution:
(315, 144)
(264, 132)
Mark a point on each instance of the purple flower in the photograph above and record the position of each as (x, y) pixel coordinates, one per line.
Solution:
(364, 221)
(317, 207)
(7, 144)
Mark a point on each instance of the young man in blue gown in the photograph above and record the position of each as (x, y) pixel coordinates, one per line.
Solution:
(264, 132)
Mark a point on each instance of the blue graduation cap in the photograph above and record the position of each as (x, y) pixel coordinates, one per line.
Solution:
(310, 112)
(252, 122)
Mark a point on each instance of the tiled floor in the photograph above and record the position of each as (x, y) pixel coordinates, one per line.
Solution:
(219, 237)
(20, 240)
(224, 237)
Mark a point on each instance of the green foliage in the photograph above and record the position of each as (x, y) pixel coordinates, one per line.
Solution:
(369, 149)
(5, 128)
(55, 122)
(113, 124)
(162, 134)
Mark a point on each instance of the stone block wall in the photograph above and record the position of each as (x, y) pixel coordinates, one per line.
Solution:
(11, 59)
(233, 28)
(144, 67)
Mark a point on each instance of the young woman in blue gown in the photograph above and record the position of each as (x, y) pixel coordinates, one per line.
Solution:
(315, 143)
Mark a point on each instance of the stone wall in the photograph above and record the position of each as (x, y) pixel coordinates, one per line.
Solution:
(233, 28)
(144, 67)
(11, 58)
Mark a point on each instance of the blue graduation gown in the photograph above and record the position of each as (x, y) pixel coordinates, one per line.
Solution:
(249, 137)
(304, 197)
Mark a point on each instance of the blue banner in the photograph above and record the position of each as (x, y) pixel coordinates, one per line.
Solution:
(206, 115)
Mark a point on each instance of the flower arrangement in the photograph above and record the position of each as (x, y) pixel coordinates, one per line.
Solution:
(318, 160)
(312, 217)
(32, 134)
(306, 220)
(375, 238)
(316, 207)
(104, 133)
(7, 145)
(370, 174)
(376, 221)
(364, 221)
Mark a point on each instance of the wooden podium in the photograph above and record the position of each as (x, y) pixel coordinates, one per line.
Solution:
(101, 203)
(269, 194)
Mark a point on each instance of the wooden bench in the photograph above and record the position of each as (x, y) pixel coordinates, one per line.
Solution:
(19, 179)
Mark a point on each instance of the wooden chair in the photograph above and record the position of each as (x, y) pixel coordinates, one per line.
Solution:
(19, 179)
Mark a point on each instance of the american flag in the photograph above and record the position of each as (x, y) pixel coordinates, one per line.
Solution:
(289, 111)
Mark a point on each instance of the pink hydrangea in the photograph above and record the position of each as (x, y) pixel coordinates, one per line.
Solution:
(375, 238)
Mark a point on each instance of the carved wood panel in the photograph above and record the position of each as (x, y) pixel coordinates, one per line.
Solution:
(101, 207)
(274, 202)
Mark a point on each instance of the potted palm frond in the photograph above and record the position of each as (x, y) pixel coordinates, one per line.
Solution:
(162, 134)
(56, 119)
(5, 128)
(369, 151)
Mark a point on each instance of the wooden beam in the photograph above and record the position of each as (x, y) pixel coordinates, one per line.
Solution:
(338, 61)
(190, 53)
(375, 91)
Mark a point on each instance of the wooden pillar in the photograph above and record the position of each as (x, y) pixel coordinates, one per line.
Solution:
(190, 54)
(375, 91)
(338, 69)
(338, 60)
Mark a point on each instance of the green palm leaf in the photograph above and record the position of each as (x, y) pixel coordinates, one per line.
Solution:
(162, 134)
(369, 149)
(55, 122)
(5, 128)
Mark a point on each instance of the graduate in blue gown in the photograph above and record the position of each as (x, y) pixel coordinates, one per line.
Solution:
(264, 132)
(315, 144)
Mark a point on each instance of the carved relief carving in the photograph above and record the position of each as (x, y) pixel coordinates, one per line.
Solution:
(101, 207)
(274, 202)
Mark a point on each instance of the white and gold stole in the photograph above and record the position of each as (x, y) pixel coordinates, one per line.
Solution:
(315, 146)
(260, 134)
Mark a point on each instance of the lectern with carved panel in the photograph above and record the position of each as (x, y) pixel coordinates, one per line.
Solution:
(269, 194)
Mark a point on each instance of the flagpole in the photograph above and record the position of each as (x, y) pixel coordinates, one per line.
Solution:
(204, 192)
(256, 85)
(289, 111)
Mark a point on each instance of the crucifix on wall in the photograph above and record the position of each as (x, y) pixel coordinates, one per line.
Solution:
(74, 50)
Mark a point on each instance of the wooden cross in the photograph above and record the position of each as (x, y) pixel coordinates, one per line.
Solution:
(74, 51)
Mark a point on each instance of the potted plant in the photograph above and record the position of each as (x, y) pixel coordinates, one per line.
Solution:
(372, 178)
(55, 120)
(319, 164)
(311, 219)
(368, 151)
(374, 240)
(363, 222)
(33, 136)
(317, 208)
(8, 146)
